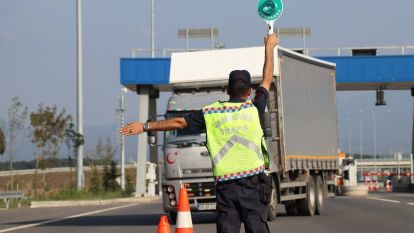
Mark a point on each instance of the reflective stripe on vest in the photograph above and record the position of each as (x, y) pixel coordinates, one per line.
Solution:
(234, 139)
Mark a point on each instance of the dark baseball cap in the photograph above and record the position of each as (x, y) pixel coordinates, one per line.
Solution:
(239, 79)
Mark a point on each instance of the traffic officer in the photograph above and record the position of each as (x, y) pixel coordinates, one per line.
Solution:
(236, 146)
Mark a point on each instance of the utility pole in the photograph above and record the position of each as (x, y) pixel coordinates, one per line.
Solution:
(375, 140)
(79, 113)
(121, 111)
(152, 30)
(412, 143)
(349, 142)
(412, 169)
(360, 138)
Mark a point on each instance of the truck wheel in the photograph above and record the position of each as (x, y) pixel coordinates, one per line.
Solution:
(272, 206)
(307, 206)
(291, 209)
(320, 195)
(173, 217)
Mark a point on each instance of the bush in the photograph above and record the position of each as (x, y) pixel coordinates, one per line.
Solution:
(109, 178)
(96, 181)
(129, 188)
(14, 203)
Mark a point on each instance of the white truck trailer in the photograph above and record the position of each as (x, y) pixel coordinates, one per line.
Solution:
(300, 127)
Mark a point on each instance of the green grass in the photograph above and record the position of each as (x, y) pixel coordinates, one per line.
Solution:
(66, 195)
(14, 203)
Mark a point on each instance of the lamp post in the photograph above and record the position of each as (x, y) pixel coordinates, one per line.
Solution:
(374, 134)
(360, 138)
(375, 140)
(152, 30)
(79, 113)
(121, 111)
(349, 142)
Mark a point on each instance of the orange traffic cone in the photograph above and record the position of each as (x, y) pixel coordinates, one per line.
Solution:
(184, 223)
(164, 225)
(387, 187)
(370, 186)
(376, 185)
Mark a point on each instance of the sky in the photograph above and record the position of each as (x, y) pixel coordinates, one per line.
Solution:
(38, 51)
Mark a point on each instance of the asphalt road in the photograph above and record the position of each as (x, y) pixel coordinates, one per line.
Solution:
(379, 213)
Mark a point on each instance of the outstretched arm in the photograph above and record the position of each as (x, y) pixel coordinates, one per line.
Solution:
(133, 128)
(268, 67)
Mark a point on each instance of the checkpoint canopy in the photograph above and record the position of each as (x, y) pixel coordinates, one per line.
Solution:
(394, 72)
(352, 72)
(200, 69)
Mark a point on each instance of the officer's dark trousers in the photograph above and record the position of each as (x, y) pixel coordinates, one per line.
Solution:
(238, 201)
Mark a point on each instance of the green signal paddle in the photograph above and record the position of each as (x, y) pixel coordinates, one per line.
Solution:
(270, 11)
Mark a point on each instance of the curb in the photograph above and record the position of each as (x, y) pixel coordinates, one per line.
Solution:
(47, 204)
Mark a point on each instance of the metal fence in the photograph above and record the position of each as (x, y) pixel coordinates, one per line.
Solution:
(339, 51)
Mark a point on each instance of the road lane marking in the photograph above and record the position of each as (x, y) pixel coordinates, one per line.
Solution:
(380, 199)
(65, 218)
(409, 203)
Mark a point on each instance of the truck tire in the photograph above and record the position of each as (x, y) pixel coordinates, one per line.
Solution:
(173, 217)
(307, 206)
(291, 209)
(320, 195)
(272, 206)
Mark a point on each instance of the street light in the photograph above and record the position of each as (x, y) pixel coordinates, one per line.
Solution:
(152, 30)
(374, 132)
(79, 112)
(121, 111)
(360, 138)
(360, 135)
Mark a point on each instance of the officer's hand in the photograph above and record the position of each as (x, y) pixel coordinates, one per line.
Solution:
(271, 41)
(132, 128)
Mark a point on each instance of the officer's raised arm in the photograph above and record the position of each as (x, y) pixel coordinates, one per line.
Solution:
(163, 125)
(268, 67)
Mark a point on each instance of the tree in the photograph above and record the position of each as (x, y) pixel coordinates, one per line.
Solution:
(105, 152)
(129, 188)
(96, 180)
(2, 142)
(49, 127)
(17, 114)
(75, 140)
(109, 179)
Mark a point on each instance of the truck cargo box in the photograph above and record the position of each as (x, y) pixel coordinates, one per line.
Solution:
(305, 94)
(309, 116)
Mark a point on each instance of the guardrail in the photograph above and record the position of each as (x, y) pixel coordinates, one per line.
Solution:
(10, 195)
(58, 169)
(334, 51)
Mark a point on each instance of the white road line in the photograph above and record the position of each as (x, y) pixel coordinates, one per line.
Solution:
(64, 218)
(409, 203)
(380, 199)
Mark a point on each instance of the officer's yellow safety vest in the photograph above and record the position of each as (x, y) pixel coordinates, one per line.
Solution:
(235, 140)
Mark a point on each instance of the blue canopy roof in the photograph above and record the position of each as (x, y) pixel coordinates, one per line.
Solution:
(352, 73)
